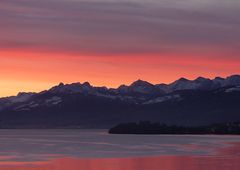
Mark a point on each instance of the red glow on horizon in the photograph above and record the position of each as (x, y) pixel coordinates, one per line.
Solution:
(36, 71)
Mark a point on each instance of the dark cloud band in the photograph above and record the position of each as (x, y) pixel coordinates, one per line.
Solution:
(121, 27)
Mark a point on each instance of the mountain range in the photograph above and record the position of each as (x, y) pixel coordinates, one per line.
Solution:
(184, 102)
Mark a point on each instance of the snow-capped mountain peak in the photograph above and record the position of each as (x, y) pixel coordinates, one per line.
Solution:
(21, 97)
(142, 83)
(201, 79)
(233, 80)
(141, 86)
(139, 91)
(71, 88)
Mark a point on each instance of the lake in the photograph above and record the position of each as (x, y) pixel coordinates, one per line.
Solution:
(98, 150)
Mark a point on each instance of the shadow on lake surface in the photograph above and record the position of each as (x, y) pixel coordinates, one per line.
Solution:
(97, 150)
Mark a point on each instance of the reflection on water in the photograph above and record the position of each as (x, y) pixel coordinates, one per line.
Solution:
(220, 162)
(96, 150)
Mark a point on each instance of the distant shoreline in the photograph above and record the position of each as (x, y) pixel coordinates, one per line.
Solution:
(148, 128)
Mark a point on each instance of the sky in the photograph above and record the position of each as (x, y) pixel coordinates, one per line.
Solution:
(114, 42)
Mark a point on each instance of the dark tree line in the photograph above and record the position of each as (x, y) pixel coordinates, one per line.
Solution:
(146, 127)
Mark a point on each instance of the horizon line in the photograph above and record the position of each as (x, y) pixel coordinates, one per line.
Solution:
(57, 84)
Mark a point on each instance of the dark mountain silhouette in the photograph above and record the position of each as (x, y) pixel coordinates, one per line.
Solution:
(184, 102)
(157, 128)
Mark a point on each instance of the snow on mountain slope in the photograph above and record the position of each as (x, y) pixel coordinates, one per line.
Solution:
(144, 87)
(139, 86)
(200, 83)
(53, 101)
(175, 97)
(233, 89)
(138, 92)
(72, 88)
(21, 97)
(233, 80)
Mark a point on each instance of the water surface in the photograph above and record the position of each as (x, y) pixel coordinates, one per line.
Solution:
(97, 150)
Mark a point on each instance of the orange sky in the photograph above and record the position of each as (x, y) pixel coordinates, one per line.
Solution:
(109, 42)
(36, 71)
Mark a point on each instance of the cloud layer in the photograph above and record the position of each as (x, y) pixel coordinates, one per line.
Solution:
(122, 27)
